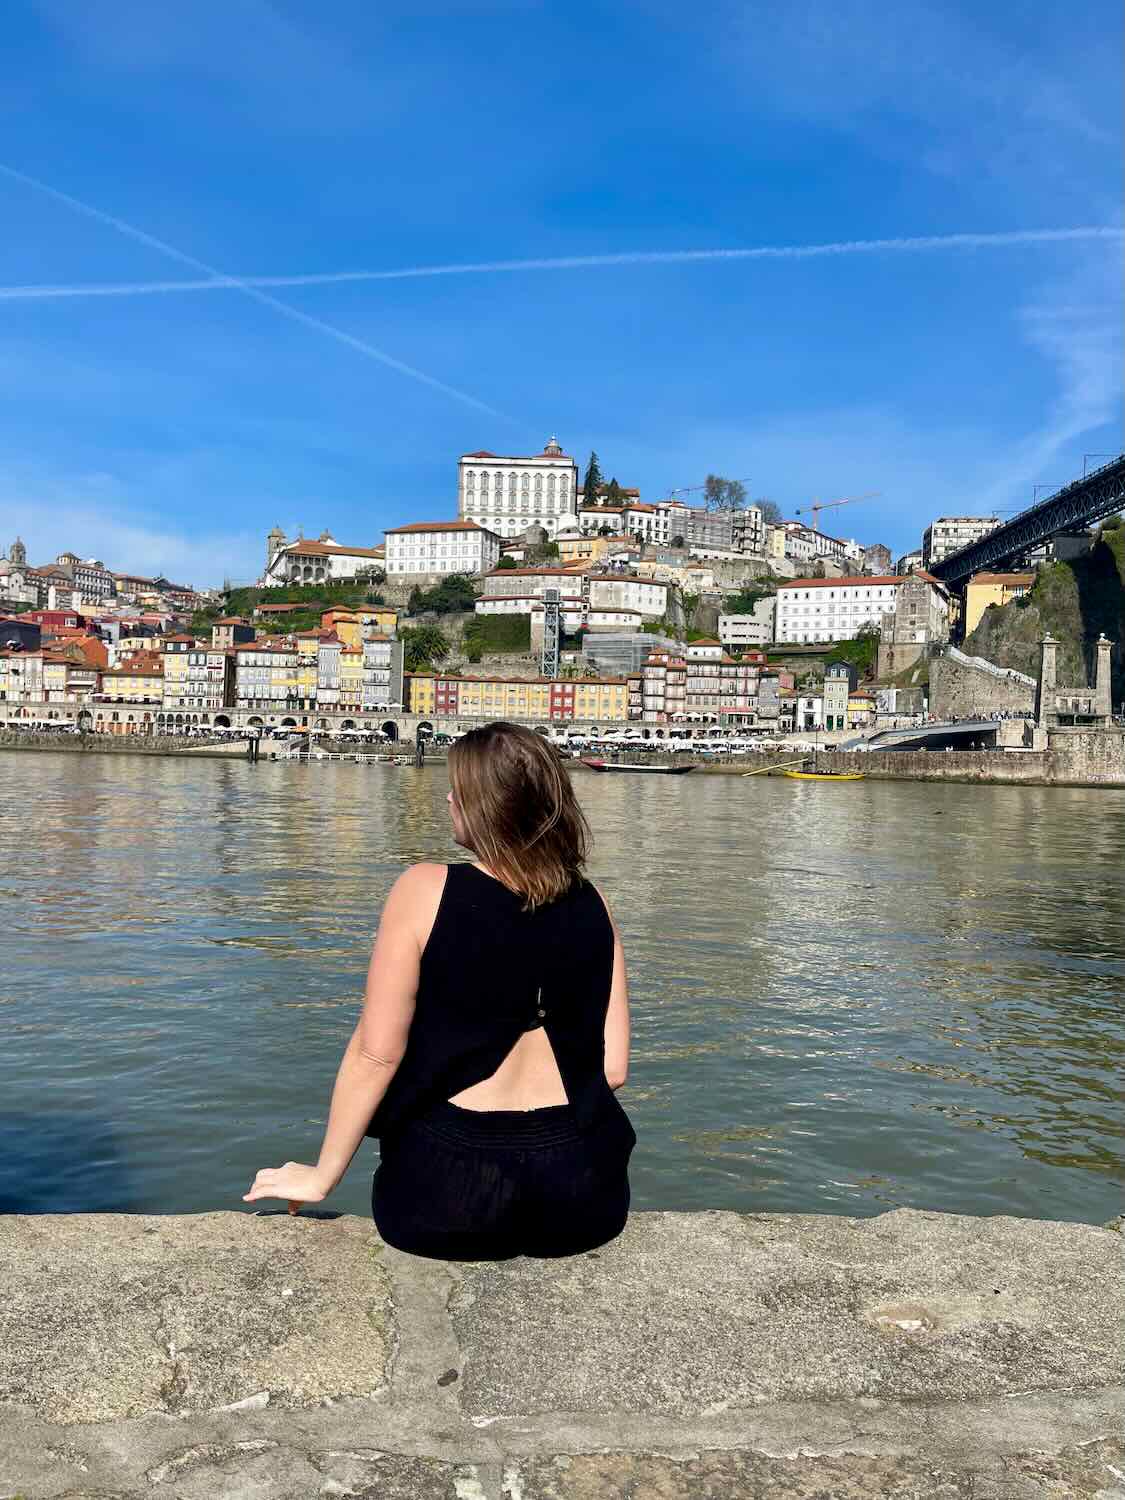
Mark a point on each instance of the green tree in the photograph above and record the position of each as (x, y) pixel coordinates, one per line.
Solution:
(592, 484)
(453, 595)
(422, 646)
(614, 495)
(506, 562)
(723, 494)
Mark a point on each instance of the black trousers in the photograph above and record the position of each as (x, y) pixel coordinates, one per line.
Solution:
(465, 1184)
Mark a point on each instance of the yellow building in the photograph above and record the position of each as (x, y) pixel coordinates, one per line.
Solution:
(574, 549)
(418, 692)
(356, 625)
(308, 647)
(138, 680)
(499, 698)
(984, 589)
(351, 676)
(861, 708)
(601, 698)
(176, 649)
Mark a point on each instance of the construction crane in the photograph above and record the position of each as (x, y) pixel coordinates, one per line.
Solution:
(817, 506)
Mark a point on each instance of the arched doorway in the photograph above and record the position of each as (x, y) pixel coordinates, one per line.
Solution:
(288, 723)
(424, 731)
(254, 721)
(223, 722)
(390, 729)
(348, 724)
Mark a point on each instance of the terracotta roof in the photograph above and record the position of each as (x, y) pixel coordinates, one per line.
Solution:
(530, 573)
(627, 578)
(435, 526)
(1012, 579)
(326, 549)
(231, 620)
(277, 609)
(855, 581)
(144, 664)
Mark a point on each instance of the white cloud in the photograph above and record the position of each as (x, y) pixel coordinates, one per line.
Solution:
(96, 515)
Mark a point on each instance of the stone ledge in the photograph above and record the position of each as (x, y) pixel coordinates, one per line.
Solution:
(702, 1354)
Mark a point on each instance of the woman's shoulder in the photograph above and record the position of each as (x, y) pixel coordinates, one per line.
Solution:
(419, 885)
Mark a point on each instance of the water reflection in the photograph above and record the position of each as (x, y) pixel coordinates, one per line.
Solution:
(844, 998)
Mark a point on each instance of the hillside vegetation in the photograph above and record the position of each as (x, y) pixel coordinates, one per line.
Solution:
(1074, 601)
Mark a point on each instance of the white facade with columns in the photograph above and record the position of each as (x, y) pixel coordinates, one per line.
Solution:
(507, 494)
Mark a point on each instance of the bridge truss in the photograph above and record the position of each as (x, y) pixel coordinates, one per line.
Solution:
(1099, 494)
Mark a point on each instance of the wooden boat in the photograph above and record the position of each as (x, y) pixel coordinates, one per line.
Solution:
(606, 765)
(824, 775)
(813, 774)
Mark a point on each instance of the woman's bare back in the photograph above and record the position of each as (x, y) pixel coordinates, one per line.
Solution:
(528, 1078)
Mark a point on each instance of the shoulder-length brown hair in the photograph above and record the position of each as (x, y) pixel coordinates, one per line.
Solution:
(520, 813)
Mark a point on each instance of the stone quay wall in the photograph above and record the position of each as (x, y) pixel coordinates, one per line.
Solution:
(714, 1354)
(146, 744)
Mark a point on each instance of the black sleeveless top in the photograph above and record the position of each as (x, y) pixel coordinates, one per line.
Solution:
(491, 971)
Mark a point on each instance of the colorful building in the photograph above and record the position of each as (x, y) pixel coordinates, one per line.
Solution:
(139, 680)
(266, 677)
(177, 649)
(861, 708)
(984, 589)
(419, 692)
(354, 625)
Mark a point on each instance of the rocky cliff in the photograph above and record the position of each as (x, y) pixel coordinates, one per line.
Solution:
(1075, 601)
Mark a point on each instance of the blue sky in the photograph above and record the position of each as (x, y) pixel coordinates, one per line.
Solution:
(275, 138)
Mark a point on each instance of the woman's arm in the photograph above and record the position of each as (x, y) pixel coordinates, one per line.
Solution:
(617, 1015)
(378, 1043)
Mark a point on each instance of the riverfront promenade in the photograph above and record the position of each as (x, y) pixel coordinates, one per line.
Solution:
(220, 1355)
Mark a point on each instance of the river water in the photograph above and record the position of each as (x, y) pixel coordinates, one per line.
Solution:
(845, 997)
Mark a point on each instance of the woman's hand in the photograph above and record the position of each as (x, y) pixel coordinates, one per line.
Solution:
(298, 1183)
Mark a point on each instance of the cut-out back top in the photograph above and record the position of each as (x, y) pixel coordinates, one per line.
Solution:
(489, 972)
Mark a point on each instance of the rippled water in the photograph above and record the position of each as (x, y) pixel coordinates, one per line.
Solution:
(844, 998)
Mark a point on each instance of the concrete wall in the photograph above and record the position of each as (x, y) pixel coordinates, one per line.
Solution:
(961, 691)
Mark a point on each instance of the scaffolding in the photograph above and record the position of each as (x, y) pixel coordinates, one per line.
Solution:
(549, 661)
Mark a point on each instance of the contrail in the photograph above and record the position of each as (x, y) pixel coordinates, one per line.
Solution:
(249, 288)
(217, 281)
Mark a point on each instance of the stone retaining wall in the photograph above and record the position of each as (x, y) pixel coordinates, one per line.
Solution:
(699, 1356)
(959, 690)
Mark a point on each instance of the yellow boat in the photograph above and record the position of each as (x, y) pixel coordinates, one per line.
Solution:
(824, 775)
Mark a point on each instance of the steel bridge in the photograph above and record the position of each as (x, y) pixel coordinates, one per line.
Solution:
(1079, 504)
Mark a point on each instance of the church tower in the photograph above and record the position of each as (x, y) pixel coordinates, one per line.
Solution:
(275, 540)
(18, 554)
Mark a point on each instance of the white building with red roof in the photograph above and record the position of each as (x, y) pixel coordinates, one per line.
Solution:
(434, 549)
(834, 609)
(322, 561)
(506, 493)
